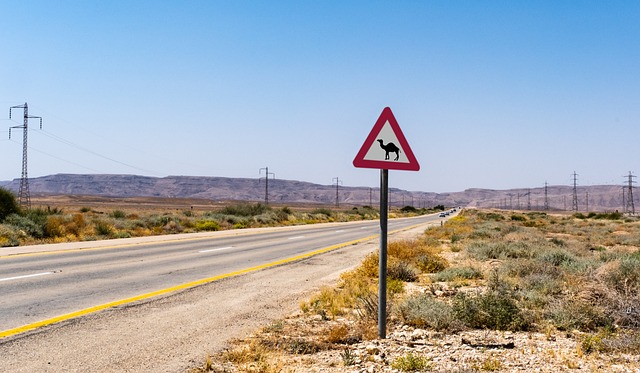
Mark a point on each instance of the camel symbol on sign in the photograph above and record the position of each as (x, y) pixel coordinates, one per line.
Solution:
(389, 148)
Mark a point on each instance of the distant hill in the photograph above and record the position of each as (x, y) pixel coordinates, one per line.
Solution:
(601, 197)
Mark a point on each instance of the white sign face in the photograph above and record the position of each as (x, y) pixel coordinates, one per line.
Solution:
(386, 147)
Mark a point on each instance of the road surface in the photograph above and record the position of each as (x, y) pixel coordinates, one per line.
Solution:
(42, 283)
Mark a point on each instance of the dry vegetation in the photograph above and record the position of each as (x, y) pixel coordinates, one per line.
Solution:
(68, 219)
(488, 291)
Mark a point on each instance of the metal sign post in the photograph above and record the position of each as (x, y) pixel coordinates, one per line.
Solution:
(386, 149)
(382, 278)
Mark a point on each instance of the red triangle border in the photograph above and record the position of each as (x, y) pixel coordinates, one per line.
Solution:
(360, 162)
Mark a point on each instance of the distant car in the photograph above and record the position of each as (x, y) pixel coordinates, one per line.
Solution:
(442, 215)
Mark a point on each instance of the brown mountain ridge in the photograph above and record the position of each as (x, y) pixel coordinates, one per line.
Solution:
(559, 197)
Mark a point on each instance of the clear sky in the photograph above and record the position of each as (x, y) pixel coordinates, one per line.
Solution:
(489, 94)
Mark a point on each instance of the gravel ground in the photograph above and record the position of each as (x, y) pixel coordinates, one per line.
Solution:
(178, 332)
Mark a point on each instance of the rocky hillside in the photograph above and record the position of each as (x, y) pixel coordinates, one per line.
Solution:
(600, 197)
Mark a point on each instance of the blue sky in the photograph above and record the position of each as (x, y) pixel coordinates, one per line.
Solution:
(489, 94)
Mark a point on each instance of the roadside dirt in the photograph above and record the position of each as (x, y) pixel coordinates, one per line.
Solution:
(178, 332)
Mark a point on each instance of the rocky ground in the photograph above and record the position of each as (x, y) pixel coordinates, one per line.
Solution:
(315, 342)
(310, 343)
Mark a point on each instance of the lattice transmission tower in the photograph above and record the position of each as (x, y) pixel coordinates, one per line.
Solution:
(24, 196)
(574, 205)
(546, 196)
(629, 206)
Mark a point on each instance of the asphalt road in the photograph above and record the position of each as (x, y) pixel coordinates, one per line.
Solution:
(44, 282)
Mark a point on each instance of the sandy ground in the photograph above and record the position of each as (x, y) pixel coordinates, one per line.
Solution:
(178, 332)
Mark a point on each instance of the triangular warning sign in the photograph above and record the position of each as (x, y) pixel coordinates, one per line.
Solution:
(386, 147)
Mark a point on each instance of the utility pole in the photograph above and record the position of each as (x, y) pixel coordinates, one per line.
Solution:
(370, 196)
(24, 195)
(337, 183)
(529, 199)
(629, 206)
(574, 205)
(546, 196)
(266, 183)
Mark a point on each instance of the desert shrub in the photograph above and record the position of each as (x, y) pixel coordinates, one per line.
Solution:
(625, 277)
(608, 216)
(558, 257)
(515, 217)
(411, 363)
(431, 263)
(8, 237)
(408, 209)
(369, 267)
(159, 220)
(322, 211)
(575, 313)
(117, 214)
(486, 230)
(623, 342)
(206, 225)
(490, 216)
(245, 209)
(493, 309)
(403, 271)
(457, 273)
(424, 311)
(102, 228)
(266, 218)
(8, 204)
(172, 226)
(483, 250)
(23, 223)
(407, 250)
(55, 227)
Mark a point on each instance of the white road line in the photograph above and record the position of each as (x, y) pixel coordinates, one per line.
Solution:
(340, 231)
(25, 276)
(218, 249)
(364, 227)
(295, 238)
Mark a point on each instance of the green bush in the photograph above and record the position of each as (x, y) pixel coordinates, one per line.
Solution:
(118, 214)
(501, 250)
(103, 228)
(245, 209)
(411, 363)
(322, 211)
(23, 223)
(494, 309)
(575, 313)
(457, 273)
(207, 225)
(625, 278)
(424, 311)
(8, 204)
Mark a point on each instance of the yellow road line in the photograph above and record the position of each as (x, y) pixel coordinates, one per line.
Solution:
(86, 311)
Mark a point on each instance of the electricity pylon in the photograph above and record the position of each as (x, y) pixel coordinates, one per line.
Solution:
(24, 196)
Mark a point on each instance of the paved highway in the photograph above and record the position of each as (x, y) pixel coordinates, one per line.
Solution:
(57, 280)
